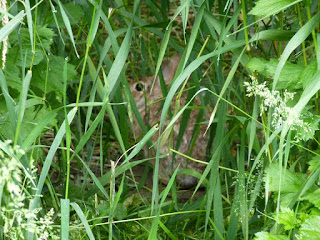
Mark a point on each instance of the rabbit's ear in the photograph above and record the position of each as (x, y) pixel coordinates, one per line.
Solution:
(169, 68)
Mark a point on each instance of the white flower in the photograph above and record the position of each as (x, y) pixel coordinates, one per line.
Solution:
(5, 20)
(17, 218)
(274, 99)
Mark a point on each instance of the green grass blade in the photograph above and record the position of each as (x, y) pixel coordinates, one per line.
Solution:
(295, 41)
(51, 153)
(95, 180)
(112, 36)
(218, 211)
(11, 25)
(267, 8)
(83, 220)
(154, 228)
(30, 23)
(242, 188)
(1, 191)
(68, 26)
(115, 126)
(274, 35)
(119, 62)
(234, 216)
(253, 126)
(162, 52)
(108, 106)
(175, 118)
(94, 75)
(138, 21)
(167, 231)
(229, 40)
(224, 30)
(312, 88)
(225, 86)
(9, 102)
(264, 147)
(22, 103)
(194, 32)
(46, 166)
(68, 130)
(90, 131)
(95, 23)
(191, 67)
(53, 10)
(214, 180)
(105, 179)
(184, 16)
(2, 11)
(141, 143)
(256, 191)
(65, 218)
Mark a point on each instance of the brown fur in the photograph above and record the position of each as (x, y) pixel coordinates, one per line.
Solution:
(169, 68)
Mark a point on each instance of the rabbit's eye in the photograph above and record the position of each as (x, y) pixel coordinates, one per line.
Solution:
(139, 87)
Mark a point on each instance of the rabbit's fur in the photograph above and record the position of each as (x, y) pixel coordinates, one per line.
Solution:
(151, 113)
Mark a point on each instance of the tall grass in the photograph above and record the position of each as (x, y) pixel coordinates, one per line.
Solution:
(71, 167)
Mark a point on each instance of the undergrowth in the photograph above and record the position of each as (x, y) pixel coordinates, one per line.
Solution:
(78, 160)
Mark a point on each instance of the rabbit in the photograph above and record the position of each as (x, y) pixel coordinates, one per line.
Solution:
(151, 115)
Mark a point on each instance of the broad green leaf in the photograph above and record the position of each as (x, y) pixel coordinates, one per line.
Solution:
(44, 38)
(45, 121)
(290, 183)
(287, 218)
(74, 11)
(258, 65)
(289, 78)
(268, 236)
(14, 56)
(310, 229)
(311, 89)
(120, 212)
(32, 117)
(55, 75)
(313, 197)
(313, 125)
(313, 164)
(307, 74)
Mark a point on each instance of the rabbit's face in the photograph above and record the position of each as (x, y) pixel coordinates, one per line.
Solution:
(142, 92)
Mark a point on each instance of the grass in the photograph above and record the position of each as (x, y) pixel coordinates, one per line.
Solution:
(78, 160)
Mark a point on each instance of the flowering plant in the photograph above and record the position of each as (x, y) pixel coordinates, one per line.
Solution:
(304, 124)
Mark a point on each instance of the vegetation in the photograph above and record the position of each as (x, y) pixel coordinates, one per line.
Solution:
(70, 165)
